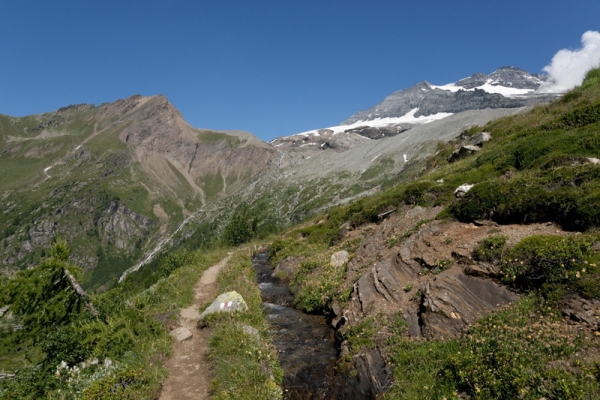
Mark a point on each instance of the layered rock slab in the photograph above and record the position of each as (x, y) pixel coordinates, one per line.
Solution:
(428, 278)
(455, 300)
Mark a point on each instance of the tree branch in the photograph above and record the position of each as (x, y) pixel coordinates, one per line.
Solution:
(79, 290)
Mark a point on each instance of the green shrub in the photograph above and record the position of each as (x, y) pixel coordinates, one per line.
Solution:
(566, 195)
(504, 356)
(548, 260)
(490, 250)
(64, 344)
(174, 260)
(577, 118)
(242, 226)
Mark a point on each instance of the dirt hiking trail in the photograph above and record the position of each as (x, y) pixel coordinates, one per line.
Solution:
(189, 374)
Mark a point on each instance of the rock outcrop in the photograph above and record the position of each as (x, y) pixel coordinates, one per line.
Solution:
(462, 152)
(430, 277)
(454, 300)
(373, 376)
(285, 269)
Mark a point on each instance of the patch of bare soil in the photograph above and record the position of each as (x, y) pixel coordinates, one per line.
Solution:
(189, 374)
(162, 216)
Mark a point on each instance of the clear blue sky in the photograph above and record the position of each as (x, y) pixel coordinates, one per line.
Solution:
(269, 67)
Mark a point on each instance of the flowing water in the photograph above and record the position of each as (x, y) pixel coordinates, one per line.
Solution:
(305, 343)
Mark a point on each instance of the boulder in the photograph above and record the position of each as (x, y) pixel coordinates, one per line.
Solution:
(463, 152)
(339, 258)
(227, 302)
(480, 138)
(482, 270)
(285, 269)
(180, 334)
(593, 160)
(462, 189)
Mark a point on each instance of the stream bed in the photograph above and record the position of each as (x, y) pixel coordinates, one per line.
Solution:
(305, 343)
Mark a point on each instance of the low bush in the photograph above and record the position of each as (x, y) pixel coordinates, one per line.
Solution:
(510, 354)
(490, 250)
(550, 263)
(566, 196)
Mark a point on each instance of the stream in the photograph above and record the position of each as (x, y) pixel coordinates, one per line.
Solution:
(305, 343)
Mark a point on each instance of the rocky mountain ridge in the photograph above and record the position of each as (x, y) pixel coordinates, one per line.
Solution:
(113, 180)
(507, 87)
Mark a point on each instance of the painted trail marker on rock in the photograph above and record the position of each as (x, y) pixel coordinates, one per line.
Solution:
(226, 302)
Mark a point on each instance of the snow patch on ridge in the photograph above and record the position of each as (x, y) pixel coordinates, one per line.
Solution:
(409, 118)
(489, 87)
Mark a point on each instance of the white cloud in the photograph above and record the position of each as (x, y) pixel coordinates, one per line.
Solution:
(568, 68)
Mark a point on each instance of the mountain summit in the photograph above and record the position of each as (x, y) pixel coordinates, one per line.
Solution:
(113, 180)
(507, 87)
(504, 89)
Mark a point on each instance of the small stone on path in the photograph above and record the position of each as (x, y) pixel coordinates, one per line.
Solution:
(180, 334)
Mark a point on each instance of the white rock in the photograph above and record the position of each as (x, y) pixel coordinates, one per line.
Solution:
(180, 334)
(339, 258)
(462, 189)
(481, 138)
(226, 302)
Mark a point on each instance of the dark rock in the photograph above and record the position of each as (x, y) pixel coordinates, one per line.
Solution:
(454, 300)
(411, 316)
(373, 377)
(285, 269)
(581, 310)
(463, 152)
(336, 309)
(379, 132)
(480, 138)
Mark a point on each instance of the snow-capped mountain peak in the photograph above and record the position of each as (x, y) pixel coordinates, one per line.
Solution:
(507, 87)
